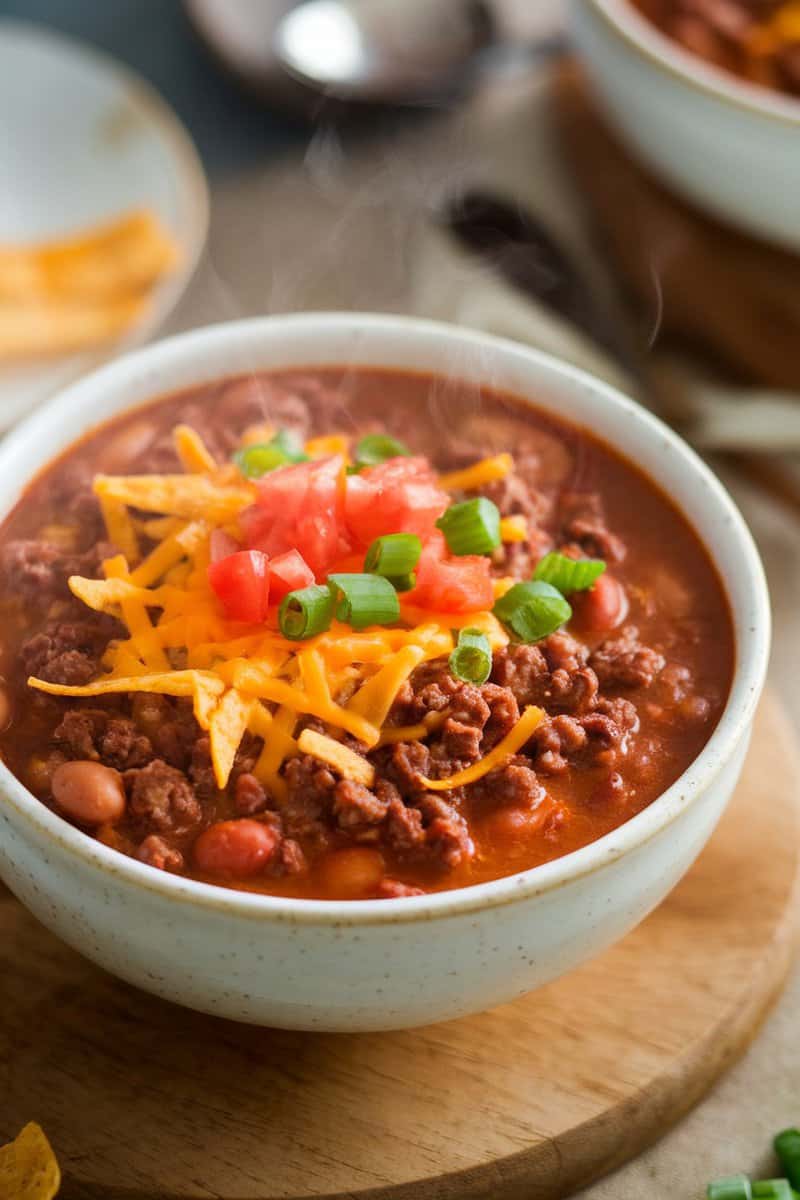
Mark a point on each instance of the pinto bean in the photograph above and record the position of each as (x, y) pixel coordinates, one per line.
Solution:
(603, 607)
(352, 873)
(89, 792)
(237, 849)
(513, 827)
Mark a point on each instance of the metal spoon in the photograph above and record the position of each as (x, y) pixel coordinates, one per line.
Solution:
(383, 51)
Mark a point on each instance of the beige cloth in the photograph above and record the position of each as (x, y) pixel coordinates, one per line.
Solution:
(351, 227)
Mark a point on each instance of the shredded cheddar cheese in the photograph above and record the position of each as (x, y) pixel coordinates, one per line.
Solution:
(511, 743)
(514, 529)
(250, 678)
(349, 764)
(485, 471)
(334, 443)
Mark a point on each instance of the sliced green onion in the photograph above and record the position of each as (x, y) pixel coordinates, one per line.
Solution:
(393, 555)
(291, 443)
(403, 583)
(787, 1148)
(306, 612)
(375, 448)
(263, 457)
(471, 660)
(532, 610)
(772, 1189)
(471, 527)
(363, 600)
(735, 1187)
(569, 574)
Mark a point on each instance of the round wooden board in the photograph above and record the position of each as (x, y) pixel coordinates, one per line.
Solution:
(143, 1099)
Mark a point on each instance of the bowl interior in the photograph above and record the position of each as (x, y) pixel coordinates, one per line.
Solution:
(664, 52)
(357, 339)
(109, 145)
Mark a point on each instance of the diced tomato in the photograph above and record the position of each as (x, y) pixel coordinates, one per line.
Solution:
(398, 496)
(287, 573)
(458, 584)
(221, 544)
(242, 583)
(299, 508)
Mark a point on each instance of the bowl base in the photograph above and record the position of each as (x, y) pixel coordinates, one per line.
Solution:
(532, 1099)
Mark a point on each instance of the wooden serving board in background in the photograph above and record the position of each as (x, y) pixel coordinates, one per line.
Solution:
(142, 1099)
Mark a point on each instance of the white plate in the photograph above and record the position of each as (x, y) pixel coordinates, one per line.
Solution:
(83, 140)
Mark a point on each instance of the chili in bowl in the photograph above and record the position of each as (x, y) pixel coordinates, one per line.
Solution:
(319, 669)
(716, 116)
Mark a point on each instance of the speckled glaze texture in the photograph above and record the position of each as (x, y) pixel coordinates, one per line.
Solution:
(368, 965)
(726, 144)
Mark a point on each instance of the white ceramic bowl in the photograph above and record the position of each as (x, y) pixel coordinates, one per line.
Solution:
(96, 142)
(381, 964)
(730, 146)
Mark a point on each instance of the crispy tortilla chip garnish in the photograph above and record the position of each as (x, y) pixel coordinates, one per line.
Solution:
(228, 723)
(120, 528)
(125, 255)
(194, 496)
(28, 1167)
(40, 328)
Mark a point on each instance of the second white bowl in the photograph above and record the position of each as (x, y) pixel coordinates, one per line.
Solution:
(728, 145)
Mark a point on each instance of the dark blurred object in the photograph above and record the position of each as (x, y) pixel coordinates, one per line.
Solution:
(516, 243)
(693, 280)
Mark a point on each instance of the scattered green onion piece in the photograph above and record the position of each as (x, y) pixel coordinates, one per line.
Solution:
(772, 1189)
(306, 612)
(471, 527)
(787, 1148)
(259, 459)
(471, 660)
(532, 610)
(735, 1187)
(569, 574)
(403, 583)
(393, 555)
(263, 457)
(363, 600)
(375, 448)
(291, 444)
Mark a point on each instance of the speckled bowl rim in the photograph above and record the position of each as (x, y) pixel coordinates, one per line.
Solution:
(662, 52)
(752, 639)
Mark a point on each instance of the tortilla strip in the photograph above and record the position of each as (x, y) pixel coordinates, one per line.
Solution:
(227, 726)
(28, 1167)
(45, 327)
(95, 266)
(194, 496)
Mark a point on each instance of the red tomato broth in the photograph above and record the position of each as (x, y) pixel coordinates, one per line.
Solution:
(674, 596)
